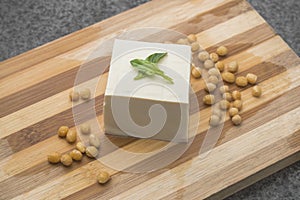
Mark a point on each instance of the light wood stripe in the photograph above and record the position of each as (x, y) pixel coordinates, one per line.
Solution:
(228, 29)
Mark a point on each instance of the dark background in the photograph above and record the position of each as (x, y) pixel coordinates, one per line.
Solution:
(26, 24)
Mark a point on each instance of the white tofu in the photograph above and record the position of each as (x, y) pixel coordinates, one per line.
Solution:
(150, 107)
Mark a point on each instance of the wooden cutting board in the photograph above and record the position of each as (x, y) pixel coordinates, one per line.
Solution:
(34, 89)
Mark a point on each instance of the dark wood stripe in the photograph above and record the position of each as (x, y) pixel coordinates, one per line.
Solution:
(95, 68)
(45, 172)
(35, 177)
(264, 112)
(245, 40)
(269, 68)
(211, 18)
(47, 128)
(120, 182)
(264, 71)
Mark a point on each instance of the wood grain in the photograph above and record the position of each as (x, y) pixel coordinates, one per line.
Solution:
(34, 102)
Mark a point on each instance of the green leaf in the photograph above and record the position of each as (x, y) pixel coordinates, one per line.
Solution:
(167, 78)
(149, 67)
(143, 64)
(156, 57)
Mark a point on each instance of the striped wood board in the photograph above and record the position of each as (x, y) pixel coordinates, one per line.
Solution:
(33, 103)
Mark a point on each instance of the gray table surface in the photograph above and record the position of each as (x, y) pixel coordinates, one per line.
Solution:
(25, 24)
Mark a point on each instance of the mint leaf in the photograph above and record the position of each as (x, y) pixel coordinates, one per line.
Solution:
(156, 57)
(149, 67)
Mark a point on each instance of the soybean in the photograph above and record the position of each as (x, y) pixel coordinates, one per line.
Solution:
(214, 57)
(85, 128)
(238, 104)
(209, 64)
(220, 65)
(228, 77)
(62, 131)
(213, 72)
(223, 89)
(94, 141)
(195, 46)
(71, 136)
(66, 160)
(252, 78)
(233, 111)
(213, 79)
(256, 91)
(236, 95)
(76, 155)
(91, 151)
(80, 147)
(74, 96)
(203, 56)
(54, 157)
(209, 99)
(227, 96)
(192, 38)
(241, 81)
(236, 120)
(210, 87)
(103, 177)
(233, 67)
(224, 104)
(222, 51)
(85, 94)
(196, 72)
(214, 120)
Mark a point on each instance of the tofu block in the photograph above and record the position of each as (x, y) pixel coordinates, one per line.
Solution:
(149, 107)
